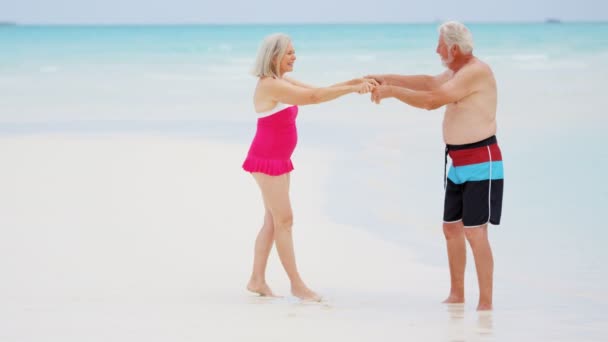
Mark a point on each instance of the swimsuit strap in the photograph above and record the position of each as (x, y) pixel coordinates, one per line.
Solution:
(279, 107)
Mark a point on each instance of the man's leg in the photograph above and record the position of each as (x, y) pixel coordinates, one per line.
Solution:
(484, 264)
(457, 256)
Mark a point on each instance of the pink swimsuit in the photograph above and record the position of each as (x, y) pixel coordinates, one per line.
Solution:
(274, 142)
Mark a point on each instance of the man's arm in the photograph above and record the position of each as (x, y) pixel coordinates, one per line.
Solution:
(460, 86)
(416, 82)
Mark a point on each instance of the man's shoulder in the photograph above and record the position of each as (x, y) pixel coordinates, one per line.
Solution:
(476, 68)
(481, 66)
(471, 64)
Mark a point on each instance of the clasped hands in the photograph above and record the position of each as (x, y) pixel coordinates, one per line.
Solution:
(376, 85)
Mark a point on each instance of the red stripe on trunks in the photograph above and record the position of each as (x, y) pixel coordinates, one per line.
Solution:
(475, 155)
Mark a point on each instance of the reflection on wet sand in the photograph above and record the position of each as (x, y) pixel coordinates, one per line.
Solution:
(461, 330)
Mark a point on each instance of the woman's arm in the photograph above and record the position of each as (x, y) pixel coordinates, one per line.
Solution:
(356, 81)
(298, 83)
(286, 92)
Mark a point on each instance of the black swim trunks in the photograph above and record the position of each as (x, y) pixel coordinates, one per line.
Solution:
(474, 184)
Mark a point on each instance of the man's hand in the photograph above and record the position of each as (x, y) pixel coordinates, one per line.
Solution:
(378, 78)
(380, 92)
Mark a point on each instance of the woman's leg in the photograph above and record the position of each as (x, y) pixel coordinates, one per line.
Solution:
(263, 245)
(275, 191)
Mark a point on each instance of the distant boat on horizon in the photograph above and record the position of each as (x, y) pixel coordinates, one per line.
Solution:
(553, 21)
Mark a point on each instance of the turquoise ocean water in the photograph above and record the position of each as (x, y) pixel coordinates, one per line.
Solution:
(193, 81)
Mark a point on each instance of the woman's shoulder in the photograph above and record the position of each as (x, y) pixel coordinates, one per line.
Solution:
(270, 84)
(264, 91)
(270, 80)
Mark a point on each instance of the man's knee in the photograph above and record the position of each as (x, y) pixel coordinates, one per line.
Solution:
(453, 230)
(476, 234)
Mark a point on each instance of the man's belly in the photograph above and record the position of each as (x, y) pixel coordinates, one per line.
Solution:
(465, 131)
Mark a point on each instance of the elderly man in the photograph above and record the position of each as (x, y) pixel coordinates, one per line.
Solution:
(474, 185)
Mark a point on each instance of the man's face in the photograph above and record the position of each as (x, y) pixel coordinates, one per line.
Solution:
(444, 52)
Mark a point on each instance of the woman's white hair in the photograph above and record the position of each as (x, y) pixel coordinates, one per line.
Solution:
(270, 53)
(454, 32)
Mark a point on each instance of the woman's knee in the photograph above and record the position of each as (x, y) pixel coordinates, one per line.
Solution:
(268, 228)
(283, 221)
(268, 221)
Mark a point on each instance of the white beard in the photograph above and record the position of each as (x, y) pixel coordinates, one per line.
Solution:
(449, 60)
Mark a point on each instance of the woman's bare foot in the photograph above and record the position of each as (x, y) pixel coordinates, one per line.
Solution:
(304, 293)
(453, 299)
(260, 288)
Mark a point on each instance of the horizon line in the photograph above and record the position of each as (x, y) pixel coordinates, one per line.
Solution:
(425, 22)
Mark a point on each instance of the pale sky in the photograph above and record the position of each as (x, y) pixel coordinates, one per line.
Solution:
(295, 11)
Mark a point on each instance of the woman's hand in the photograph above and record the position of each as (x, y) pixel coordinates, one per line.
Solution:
(357, 81)
(366, 86)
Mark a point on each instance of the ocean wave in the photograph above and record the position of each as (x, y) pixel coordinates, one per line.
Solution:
(242, 61)
(517, 57)
(196, 78)
(224, 47)
(530, 57)
(173, 77)
(537, 62)
(49, 69)
(556, 65)
(365, 58)
(228, 69)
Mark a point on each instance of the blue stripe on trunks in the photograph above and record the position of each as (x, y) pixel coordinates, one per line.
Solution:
(475, 172)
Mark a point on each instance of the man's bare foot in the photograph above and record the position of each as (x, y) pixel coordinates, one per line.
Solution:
(453, 299)
(484, 307)
(260, 288)
(305, 294)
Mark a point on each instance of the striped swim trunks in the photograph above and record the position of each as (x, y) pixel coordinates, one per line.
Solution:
(474, 184)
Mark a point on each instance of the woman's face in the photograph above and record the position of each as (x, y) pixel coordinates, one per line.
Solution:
(288, 59)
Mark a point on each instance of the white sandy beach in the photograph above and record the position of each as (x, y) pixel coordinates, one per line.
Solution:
(125, 215)
(140, 238)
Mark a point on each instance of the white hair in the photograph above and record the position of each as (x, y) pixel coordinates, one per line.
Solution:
(270, 53)
(455, 33)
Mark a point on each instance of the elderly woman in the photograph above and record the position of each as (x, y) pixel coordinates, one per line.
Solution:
(276, 100)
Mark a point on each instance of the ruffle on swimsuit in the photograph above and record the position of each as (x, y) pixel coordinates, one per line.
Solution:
(274, 142)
